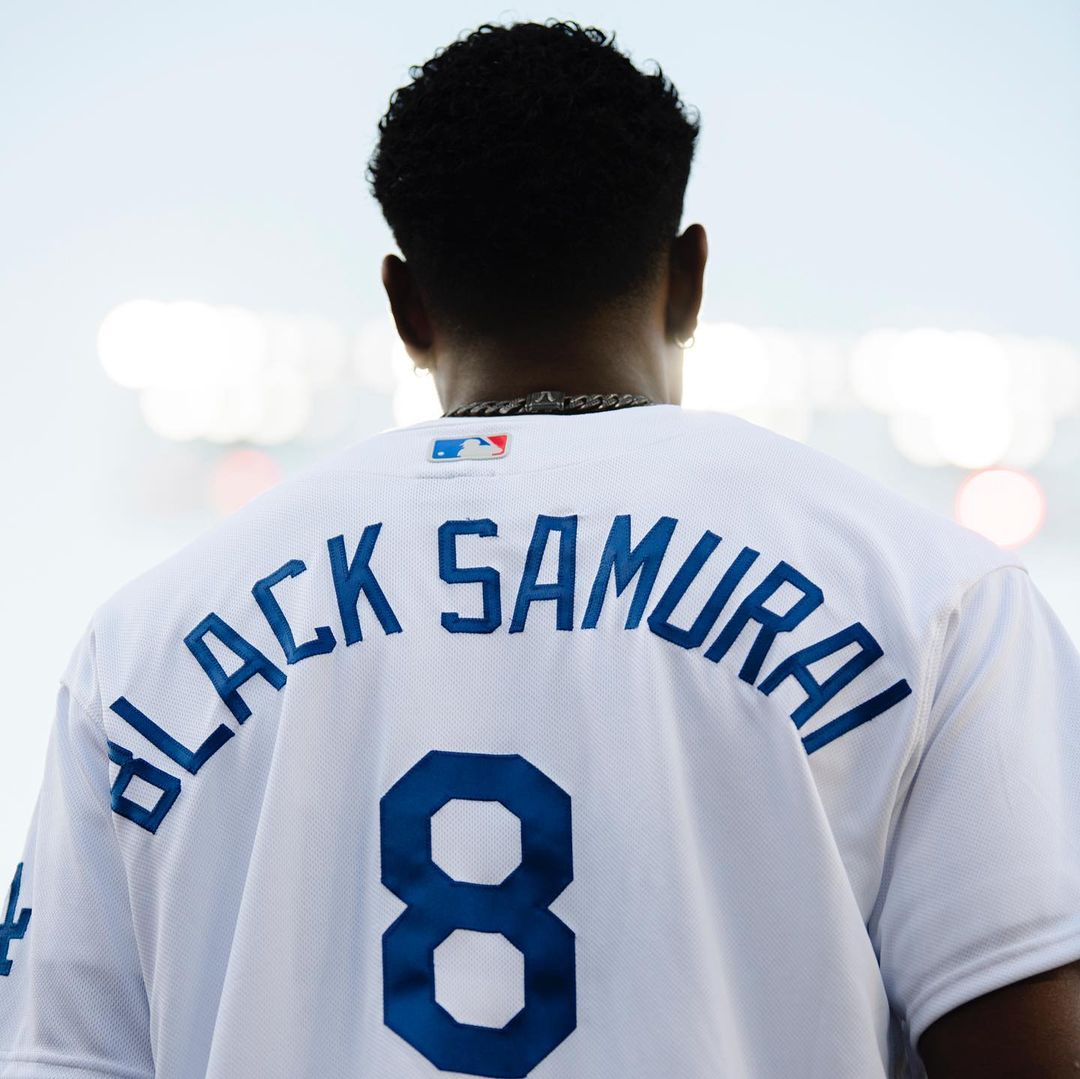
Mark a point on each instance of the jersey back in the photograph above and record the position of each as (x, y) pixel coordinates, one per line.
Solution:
(548, 746)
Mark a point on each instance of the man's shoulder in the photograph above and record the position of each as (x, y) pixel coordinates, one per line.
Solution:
(202, 572)
(818, 489)
(879, 556)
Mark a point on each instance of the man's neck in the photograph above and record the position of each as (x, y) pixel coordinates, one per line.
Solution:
(463, 379)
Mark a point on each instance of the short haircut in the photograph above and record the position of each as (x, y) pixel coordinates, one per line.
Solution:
(531, 172)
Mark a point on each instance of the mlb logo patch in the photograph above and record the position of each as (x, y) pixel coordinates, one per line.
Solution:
(471, 448)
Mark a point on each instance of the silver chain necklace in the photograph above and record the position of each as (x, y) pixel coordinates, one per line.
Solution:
(552, 401)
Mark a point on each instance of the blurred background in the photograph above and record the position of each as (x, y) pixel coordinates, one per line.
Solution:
(190, 303)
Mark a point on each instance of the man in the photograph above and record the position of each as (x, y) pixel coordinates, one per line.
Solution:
(572, 734)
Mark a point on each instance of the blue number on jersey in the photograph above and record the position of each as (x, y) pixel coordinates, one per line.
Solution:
(517, 908)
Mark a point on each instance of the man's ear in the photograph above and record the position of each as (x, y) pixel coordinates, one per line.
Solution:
(409, 310)
(686, 277)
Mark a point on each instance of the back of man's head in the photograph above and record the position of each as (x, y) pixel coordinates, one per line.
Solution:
(531, 171)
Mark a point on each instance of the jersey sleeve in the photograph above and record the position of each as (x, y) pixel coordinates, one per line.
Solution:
(981, 884)
(73, 1003)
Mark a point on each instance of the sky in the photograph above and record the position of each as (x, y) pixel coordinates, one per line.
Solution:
(861, 165)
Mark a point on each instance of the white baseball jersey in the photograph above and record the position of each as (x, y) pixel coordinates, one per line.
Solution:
(598, 746)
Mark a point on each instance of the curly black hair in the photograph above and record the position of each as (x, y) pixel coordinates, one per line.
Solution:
(530, 171)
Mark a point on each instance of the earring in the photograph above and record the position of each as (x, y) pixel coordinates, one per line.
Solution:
(688, 343)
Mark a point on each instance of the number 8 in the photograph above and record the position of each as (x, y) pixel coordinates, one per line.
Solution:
(517, 908)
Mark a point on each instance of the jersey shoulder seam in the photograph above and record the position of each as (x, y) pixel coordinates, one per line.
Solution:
(93, 714)
(933, 658)
(935, 653)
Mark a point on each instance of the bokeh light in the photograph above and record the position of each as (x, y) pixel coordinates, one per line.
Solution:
(973, 437)
(759, 375)
(915, 437)
(415, 397)
(1005, 505)
(869, 369)
(373, 350)
(177, 413)
(988, 400)
(128, 340)
(240, 476)
(223, 373)
(726, 369)
(957, 398)
(1032, 437)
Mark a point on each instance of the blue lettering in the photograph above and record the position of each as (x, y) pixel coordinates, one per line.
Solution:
(797, 666)
(692, 637)
(562, 589)
(753, 609)
(323, 640)
(352, 579)
(132, 767)
(188, 760)
(861, 713)
(486, 576)
(227, 685)
(13, 928)
(644, 558)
